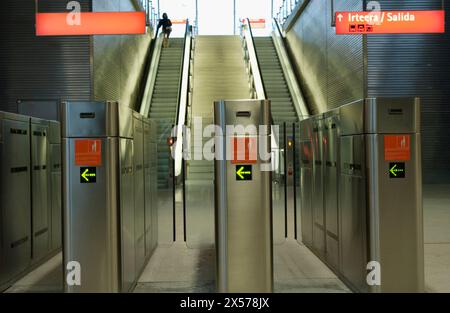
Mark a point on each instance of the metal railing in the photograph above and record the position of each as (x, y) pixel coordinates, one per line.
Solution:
(183, 100)
(150, 12)
(285, 10)
(251, 60)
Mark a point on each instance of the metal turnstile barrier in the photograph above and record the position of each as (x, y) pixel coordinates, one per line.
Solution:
(243, 191)
(381, 195)
(109, 194)
(30, 194)
(369, 152)
(15, 196)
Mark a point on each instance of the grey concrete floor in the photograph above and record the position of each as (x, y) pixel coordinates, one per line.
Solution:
(177, 268)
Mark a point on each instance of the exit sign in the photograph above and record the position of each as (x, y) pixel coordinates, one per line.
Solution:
(390, 22)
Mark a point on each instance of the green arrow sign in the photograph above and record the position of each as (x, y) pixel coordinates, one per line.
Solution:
(243, 172)
(397, 170)
(88, 175)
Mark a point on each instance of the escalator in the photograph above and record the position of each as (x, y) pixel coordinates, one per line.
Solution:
(164, 102)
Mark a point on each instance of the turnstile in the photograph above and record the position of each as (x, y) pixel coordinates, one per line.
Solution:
(380, 195)
(15, 197)
(370, 192)
(243, 196)
(98, 185)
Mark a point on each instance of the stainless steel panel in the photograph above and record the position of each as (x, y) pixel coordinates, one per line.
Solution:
(154, 183)
(15, 199)
(330, 146)
(56, 184)
(150, 186)
(67, 70)
(317, 187)
(139, 201)
(90, 119)
(40, 182)
(147, 188)
(352, 206)
(421, 71)
(127, 216)
(243, 223)
(396, 218)
(91, 235)
(56, 200)
(306, 161)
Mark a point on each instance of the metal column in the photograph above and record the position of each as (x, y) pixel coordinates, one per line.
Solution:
(98, 204)
(243, 191)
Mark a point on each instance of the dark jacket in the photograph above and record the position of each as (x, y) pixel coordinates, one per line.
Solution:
(164, 23)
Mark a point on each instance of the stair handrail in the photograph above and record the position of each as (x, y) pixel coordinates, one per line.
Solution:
(289, 74)
(183, 98)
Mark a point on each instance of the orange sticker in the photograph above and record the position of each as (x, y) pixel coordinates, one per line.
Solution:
(244, 150)
(397, 148)
(88, 152)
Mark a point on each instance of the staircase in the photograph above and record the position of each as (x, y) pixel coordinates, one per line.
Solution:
(164, 103)
(219, 74)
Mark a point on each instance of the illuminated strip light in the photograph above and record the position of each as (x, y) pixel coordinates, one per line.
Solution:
(390, 22)
(178, 21)
(91, 23)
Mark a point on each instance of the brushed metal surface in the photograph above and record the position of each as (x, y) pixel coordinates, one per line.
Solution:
(41, 67)
(40, 182)
(15, 198)
(243, 223)
(352, 208)
(90, 211)
(127, 214)
(306, 163)
(317, 201)
(331, 186)
(55, 168)
(139, 200)
(417, 65)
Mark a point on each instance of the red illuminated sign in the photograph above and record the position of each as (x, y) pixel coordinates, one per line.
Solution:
(390, 22)
(244, 150)
(88, 152)
(397, 147)
(91, 23)
(178, 21)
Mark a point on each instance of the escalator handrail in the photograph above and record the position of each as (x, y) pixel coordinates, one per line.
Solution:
(147, 84)
(258, 76)
(254, 64)
(148, 64)
(183, 97)
(298, 103)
